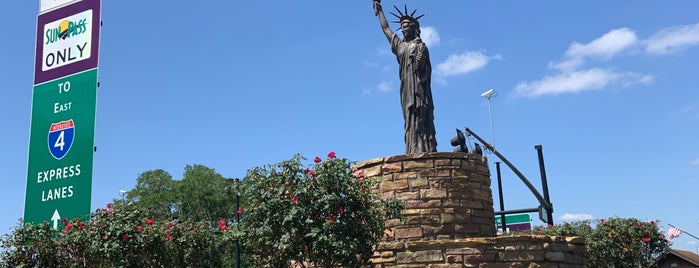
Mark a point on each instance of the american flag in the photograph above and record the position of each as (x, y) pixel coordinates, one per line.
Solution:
(674, 232)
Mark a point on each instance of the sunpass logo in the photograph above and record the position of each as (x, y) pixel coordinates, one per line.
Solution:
(67, 40)
(65, 29)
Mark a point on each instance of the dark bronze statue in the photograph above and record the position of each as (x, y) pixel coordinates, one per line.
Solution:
(415, 78)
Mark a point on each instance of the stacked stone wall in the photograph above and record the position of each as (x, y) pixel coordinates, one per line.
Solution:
(447, 195)
(449, 221)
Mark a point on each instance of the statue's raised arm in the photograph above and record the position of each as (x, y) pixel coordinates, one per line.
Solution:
(378, 11)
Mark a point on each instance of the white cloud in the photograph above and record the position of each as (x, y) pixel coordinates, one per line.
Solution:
(605, 46)
(370, 64)
(576, 217)
(429, 35)
(577, 81)
(695, 162)
(566, 82)
(464, 63)
(572, 79)
(690, 110)
(385, 86)
(673, 39)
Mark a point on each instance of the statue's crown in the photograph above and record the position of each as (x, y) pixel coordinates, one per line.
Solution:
(403, 15)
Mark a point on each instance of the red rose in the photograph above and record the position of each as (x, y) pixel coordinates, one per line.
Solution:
(646, 239)
(125, 237)
(331, 218)
(109, 205)
(360, 176)
(168, 237)
(240, 210)
(149, 222)
(222, 225)
(139, 228)
(67, 228)
(331, 155)
(312, 174)
(340, 210)
(294, 199)
(306, 170)
(64, 220)
(601, 220)
(81, 226)
(317, 160)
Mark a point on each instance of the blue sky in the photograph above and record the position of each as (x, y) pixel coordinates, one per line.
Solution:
(608, 88)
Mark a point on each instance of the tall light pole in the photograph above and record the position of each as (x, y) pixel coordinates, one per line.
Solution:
(489, 94)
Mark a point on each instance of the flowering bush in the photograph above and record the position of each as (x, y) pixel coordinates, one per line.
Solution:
(118, 236)
(321, 216)
(616, 242)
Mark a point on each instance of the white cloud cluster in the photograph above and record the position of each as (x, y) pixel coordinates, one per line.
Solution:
(696, 163)
(576, 217)
(430, 36)
(673, 39)
(385, 86)
(572, 77)
(457, 64)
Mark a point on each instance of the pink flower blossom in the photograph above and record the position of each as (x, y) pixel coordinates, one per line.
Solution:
(222, 225)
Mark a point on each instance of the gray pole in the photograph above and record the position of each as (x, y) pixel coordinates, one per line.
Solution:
(237, 220)
(502, 202)
(544, 183)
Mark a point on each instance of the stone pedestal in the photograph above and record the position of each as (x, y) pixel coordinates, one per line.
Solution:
(449, 220)
(447, 195)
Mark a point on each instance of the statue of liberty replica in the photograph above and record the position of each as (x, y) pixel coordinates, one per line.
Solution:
(415, 78)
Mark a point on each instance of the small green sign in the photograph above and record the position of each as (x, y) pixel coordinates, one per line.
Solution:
(513, 219)
(61, 142)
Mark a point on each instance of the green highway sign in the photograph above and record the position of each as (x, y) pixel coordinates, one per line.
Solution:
(61, 139)
(61, 145)
(514, 222)
(513, 219)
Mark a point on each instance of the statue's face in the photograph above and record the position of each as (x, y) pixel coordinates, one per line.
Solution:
(408, 28)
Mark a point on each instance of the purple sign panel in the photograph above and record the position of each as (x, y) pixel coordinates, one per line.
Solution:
(67, 40)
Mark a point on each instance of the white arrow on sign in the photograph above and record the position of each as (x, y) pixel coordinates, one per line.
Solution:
(55, 218)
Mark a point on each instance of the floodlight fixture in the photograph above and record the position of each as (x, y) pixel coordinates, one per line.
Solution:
(488, 93)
